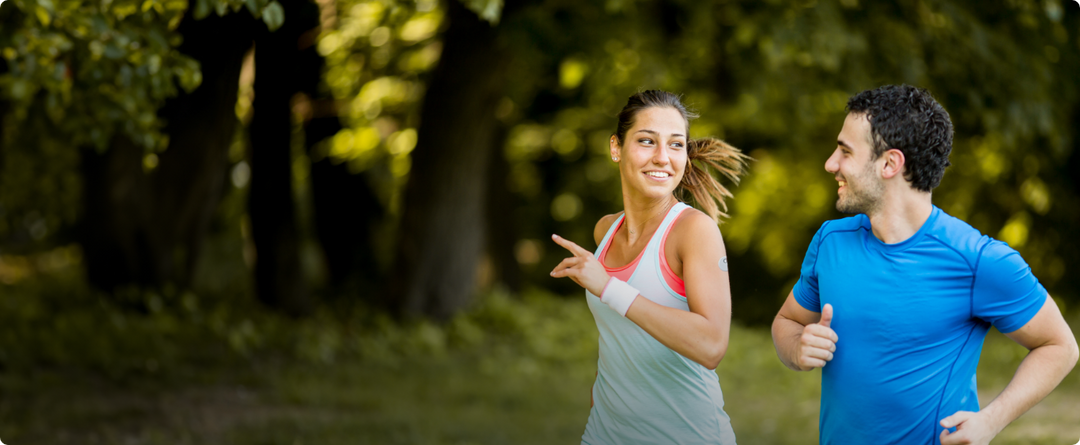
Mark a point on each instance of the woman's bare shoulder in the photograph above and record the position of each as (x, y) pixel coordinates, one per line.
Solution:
(694, 228)
(603, 225)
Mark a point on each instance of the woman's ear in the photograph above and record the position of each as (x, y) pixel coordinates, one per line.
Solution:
(613, 146)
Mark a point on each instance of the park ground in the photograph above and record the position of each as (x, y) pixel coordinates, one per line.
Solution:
(76, 370)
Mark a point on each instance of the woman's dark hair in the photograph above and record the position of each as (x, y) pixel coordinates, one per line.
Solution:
(710, 153)
(910, 120)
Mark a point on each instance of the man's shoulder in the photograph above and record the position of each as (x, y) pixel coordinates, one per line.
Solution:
(849, 224)
(960, 236)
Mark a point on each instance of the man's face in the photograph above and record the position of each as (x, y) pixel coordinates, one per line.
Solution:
(861, 186)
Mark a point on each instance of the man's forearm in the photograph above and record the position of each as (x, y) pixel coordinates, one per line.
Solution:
(1039, 373)
(785, 334)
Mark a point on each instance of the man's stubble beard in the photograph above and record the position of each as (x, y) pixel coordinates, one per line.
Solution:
(865, 197)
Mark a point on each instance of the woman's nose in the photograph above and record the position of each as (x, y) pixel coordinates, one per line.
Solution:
(661, 156)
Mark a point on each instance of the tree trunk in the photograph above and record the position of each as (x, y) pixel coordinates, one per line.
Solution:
(442, 227)
(281, 69)
(346, 211)
(146, 228)
(3, 136)
(3, 115)
(502, 233)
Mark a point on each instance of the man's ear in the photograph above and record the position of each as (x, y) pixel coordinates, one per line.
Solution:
(894, 163)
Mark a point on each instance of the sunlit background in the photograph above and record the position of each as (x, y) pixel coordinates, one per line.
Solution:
(304, 209)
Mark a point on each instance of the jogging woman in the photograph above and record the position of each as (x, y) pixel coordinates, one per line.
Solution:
(657, 284)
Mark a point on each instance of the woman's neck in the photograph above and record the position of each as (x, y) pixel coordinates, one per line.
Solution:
(643, 216)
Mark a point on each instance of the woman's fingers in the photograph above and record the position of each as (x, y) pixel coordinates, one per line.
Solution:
(573, 273)
(569, 245)
(583, 268)
(565, 266)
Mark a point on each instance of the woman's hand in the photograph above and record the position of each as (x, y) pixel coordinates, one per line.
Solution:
(583, 267)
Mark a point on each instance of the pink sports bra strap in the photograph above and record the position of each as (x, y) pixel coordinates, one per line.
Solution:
(625, 272)
(673, 281)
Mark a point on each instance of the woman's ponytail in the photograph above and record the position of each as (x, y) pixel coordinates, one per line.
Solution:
(712, 154)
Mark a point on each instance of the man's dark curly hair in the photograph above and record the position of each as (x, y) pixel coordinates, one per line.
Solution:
(910, 120)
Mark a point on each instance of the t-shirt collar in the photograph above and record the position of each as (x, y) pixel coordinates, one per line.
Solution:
(874, 243)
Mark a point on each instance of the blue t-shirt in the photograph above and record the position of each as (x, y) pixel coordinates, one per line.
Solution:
(911, 318)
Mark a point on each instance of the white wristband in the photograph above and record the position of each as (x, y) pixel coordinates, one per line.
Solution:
(618, 295)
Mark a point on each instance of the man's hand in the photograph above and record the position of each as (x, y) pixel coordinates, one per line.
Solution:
(971, 428)
(817, 342)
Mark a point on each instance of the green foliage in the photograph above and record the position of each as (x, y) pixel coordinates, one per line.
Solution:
(487, 9)
(500, 333)
(505, 371)
(378, 55)
(81, 74)
(39, 189)
(770, 77)
(273, 14)
(55, 321)
(773, 78)
(104, 67)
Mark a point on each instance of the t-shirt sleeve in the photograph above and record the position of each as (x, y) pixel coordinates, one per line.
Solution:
(1006, 293)
(806, 289)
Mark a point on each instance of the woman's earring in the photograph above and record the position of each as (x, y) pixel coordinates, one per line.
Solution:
(615, 158)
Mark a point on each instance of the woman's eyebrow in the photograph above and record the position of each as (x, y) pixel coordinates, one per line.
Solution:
(655, 133)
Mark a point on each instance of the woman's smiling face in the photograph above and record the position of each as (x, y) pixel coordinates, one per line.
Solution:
(653, 156)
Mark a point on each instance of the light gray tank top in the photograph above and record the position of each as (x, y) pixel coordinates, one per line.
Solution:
(646, 393)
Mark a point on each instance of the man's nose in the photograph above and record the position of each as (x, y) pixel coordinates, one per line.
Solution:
(831, 164)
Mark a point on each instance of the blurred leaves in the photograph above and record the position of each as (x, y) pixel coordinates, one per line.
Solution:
(273, 14)
(104, 67)
(769, 77)
(378, 56)
(487, 9)
(51, 318)
(77, 74)
(773, 79)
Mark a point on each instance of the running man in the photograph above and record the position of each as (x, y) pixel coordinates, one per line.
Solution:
(894, 303)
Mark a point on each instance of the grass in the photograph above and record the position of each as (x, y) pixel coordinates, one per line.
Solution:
(75, 370)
